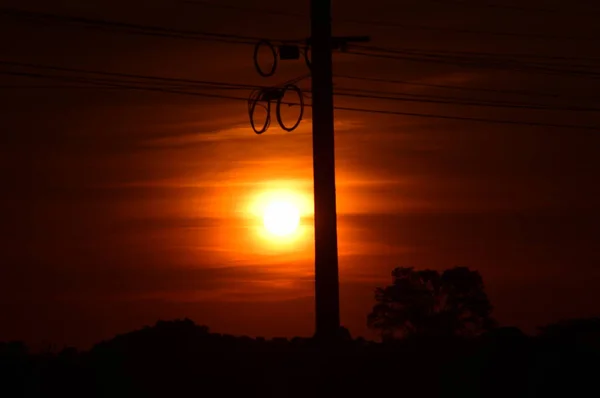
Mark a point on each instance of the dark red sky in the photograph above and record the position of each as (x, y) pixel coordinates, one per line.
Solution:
(123, 207)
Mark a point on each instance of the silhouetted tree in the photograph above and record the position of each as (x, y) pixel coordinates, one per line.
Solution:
(428, 303)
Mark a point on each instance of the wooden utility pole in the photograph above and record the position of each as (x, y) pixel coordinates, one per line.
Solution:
(327, 300)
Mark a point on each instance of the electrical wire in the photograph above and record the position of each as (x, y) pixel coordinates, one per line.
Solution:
(465, 118)
(170, 80)
(477, 32)
(496, 6)
(124, 85)
(485, 57)
(402, 97)
(479, 65)
(45, 87)
(299, 15)
(338, 108)
(513, 56)
(464, 56)
(137, 28)
(294, 88)
(387, 24)
(357, 93)
(252, 10)
(274, 53)
(254, 101)
(448, 87)
(480, 4)
(275, 93)
(468, 103)
(402, 54)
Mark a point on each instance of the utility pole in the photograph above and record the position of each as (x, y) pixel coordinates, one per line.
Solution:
(327, 299)
(322, 44)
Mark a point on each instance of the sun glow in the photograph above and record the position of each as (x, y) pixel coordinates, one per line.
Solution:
(281, 215)
(281, 218)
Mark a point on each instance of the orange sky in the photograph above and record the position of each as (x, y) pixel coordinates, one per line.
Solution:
(124, 207)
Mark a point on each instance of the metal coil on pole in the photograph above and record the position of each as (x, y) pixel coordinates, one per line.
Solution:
(297, 90)
(253, 101)
(271, 47)
(266, 95)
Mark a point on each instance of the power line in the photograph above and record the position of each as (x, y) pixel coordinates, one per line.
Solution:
(430, 96)
(387, 24)
(304, 16)
(123, 86)
(44, 87)
(252, 10)
(489, 57)
(470, 103)
(470, 119)
(366, 94)
(448, 87)
(475, 64)
(410, 97)
(137, 28)
(516, 56)
(477, 32)
(342, 92)
(486, 57)
(480, 4)
(339, 108)
(132, 76)
(511, 7)
(378, 52)
(391, 96)
(227, 38)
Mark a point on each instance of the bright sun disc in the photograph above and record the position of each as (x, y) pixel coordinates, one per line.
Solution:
(281, 218)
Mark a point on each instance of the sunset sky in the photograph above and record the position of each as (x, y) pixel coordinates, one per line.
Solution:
(122, 207)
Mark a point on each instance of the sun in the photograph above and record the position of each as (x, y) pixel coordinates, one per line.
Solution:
(278, 212)
(281, 218)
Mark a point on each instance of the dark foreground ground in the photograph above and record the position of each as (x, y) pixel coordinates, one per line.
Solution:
(180, 359)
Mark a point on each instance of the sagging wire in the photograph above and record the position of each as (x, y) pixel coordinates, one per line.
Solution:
(284, 51)
(274, 52)
(257, 96)
(297, 90)
(264, 96)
